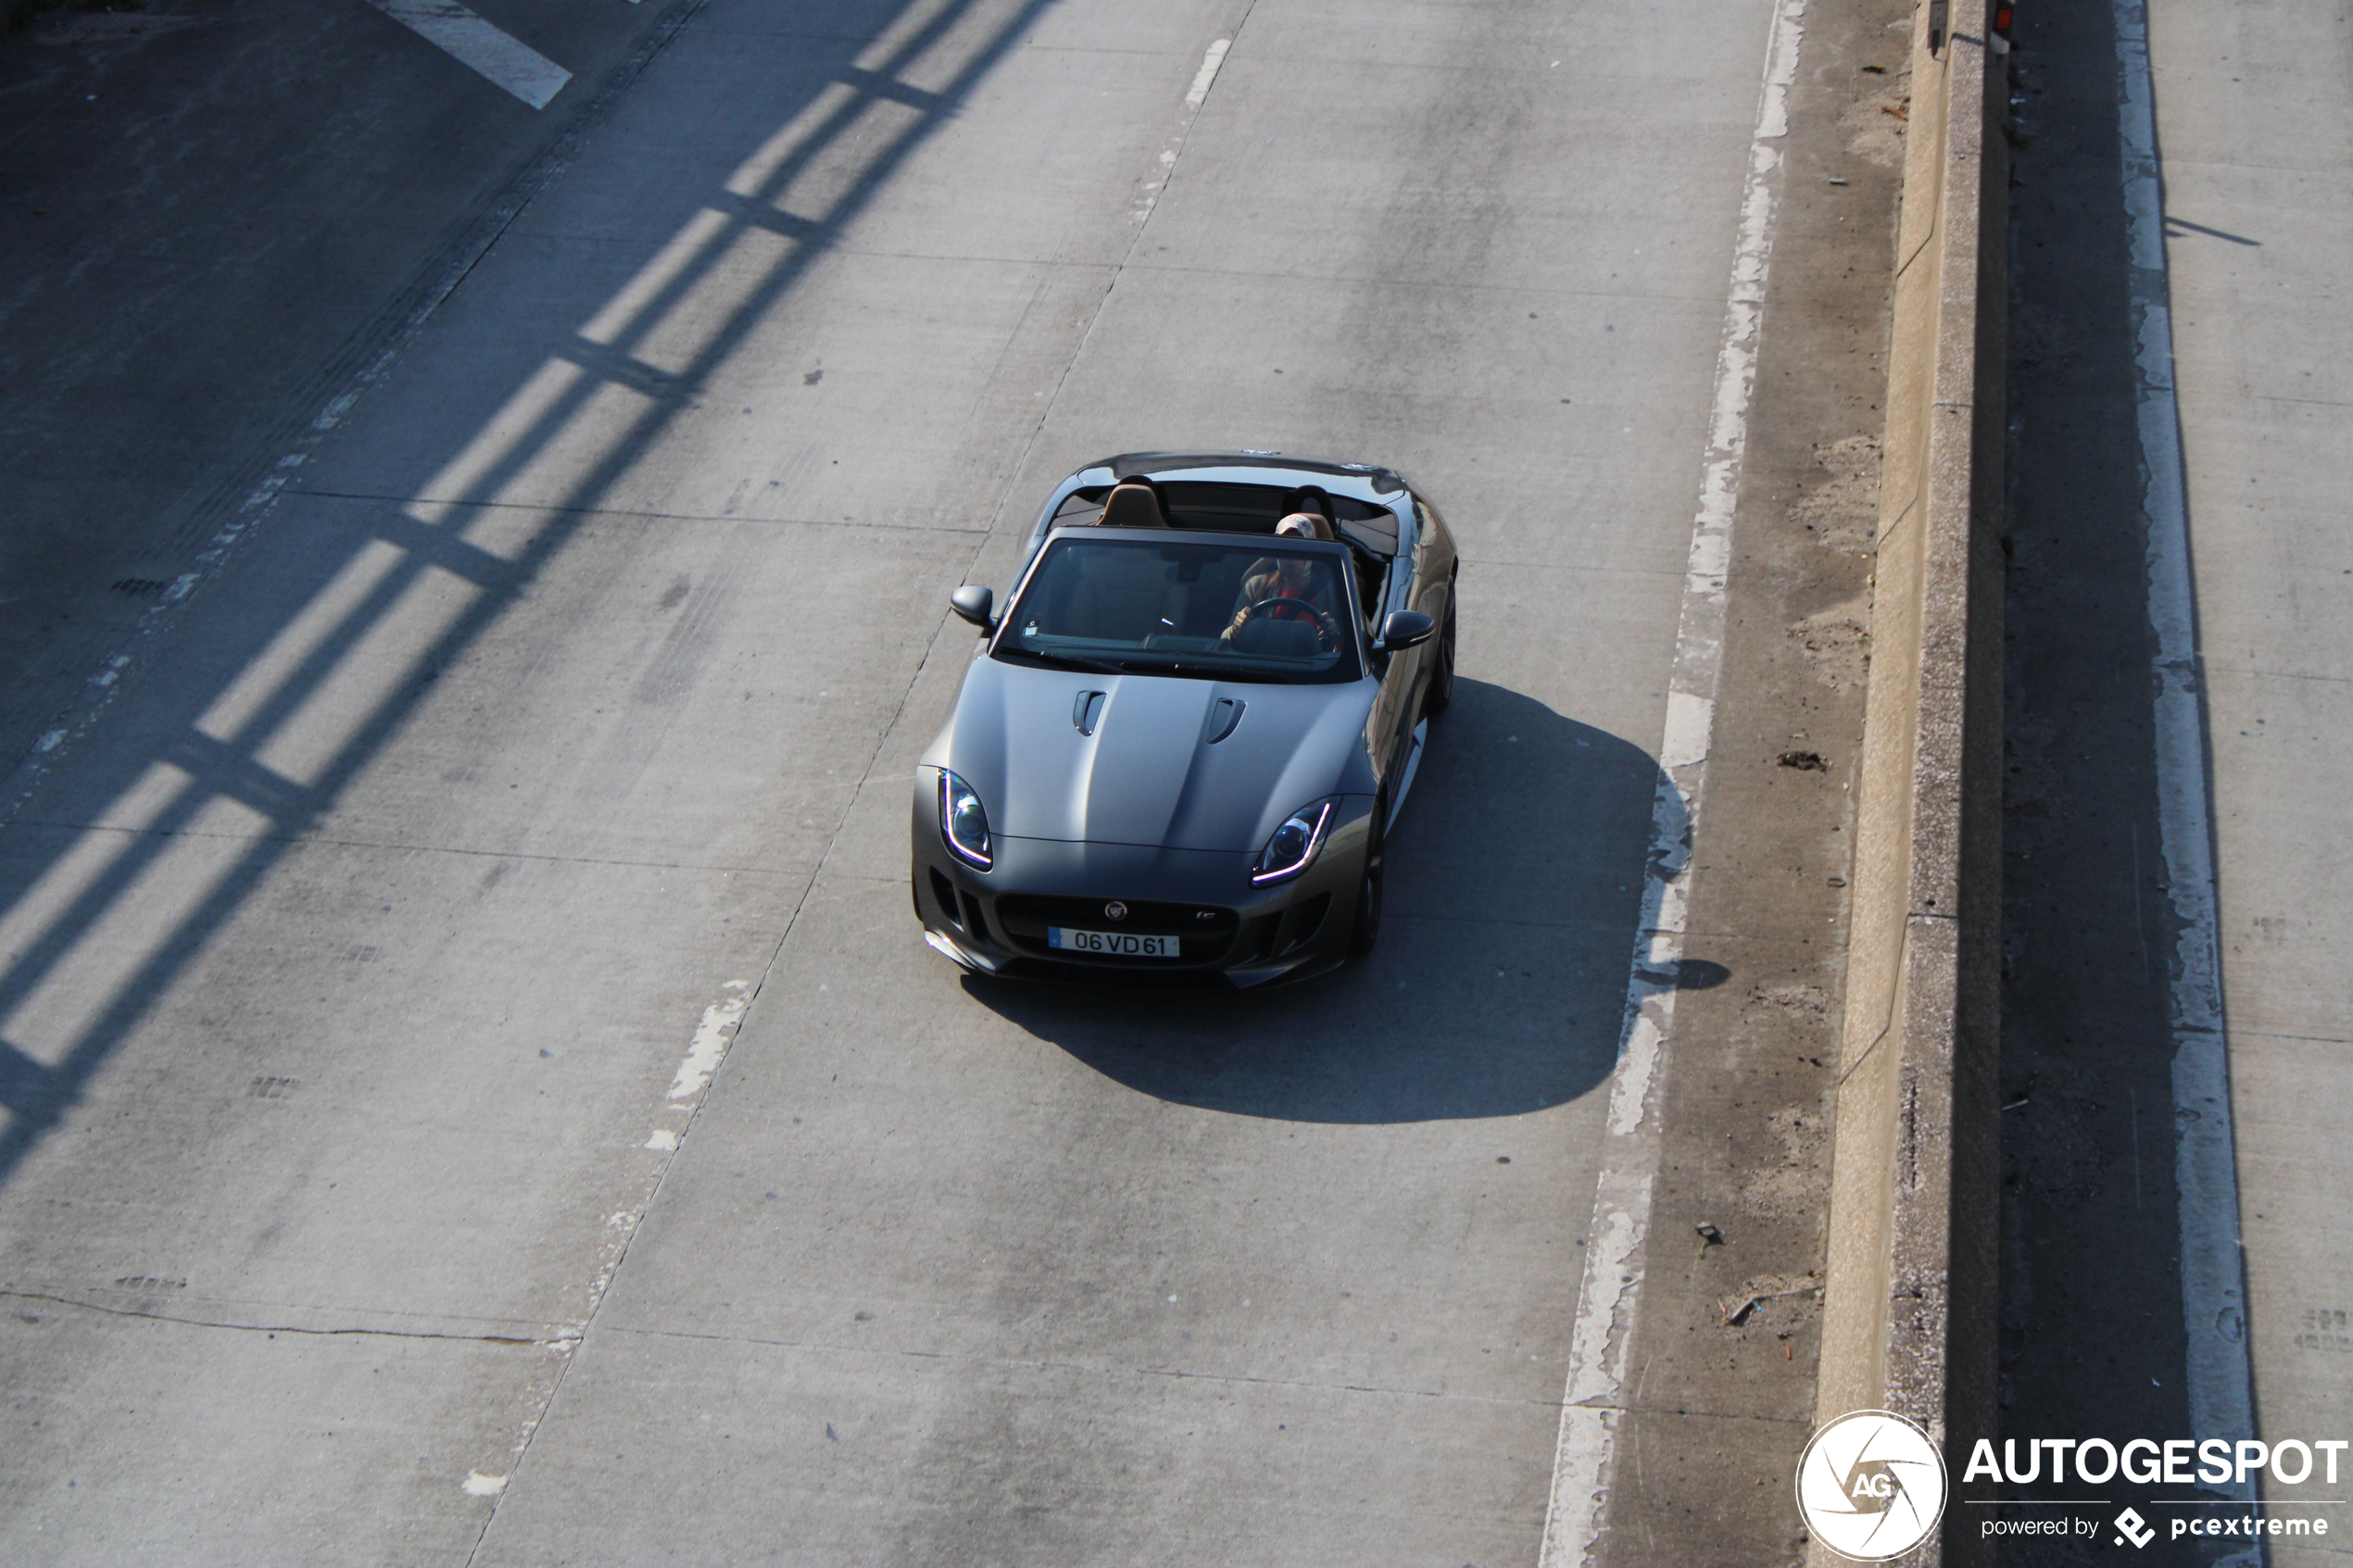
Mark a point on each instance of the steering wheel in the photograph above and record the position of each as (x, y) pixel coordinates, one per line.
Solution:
(1325, 625)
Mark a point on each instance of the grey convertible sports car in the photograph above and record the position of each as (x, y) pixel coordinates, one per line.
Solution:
(1180, 747)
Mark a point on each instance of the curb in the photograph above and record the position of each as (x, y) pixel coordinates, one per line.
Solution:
(1909, 1301)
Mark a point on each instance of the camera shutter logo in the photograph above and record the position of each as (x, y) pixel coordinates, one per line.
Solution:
(1870, 1486)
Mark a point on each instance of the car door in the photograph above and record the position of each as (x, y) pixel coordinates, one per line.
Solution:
(1391, 727)
(1433, 588)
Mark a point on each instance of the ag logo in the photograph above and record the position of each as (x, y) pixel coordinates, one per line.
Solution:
(1871, 1485)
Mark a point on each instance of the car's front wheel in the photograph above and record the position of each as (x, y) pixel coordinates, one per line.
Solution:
(1366, 931)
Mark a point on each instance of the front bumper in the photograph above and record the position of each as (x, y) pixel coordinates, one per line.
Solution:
(995, 921)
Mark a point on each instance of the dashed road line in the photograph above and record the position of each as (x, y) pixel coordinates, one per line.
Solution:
(710, 1043)
(1214, 57)
(705, 1051)
(499, 56)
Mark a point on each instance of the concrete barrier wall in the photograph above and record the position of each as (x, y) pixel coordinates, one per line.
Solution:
(1909, 1307)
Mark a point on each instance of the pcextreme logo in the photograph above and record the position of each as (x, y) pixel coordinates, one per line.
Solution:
(1870, 1486)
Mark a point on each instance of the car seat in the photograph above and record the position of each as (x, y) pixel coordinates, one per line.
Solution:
(1132, 504)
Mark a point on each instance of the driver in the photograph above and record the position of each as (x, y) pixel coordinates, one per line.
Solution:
(1278, 577)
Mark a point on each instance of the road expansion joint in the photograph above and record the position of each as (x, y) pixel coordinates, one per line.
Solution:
(1798, 1424)
(274, 1329)
(1092, 1369)
(323, 841)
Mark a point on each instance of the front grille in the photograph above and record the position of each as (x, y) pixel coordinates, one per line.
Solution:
(1203, 931)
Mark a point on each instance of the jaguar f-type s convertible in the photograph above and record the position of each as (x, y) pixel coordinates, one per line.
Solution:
(1188, 727)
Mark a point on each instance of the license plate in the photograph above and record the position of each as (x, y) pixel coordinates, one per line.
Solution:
(1114, 944)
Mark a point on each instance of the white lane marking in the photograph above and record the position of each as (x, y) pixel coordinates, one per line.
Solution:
(480, 1485)
(501, 57)
(719, 1023)
(1194, 97)
(1210, 59)
(1607, 1297)
(710, 1043)
(1690, 725)
(2213, 1277)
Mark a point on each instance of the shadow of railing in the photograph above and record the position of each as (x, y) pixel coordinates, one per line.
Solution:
(88, 842)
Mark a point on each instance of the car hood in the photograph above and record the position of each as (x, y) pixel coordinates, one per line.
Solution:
(1151, 773)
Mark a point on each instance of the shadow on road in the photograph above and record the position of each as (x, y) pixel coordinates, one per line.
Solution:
(98, 881)
(2093, 1341)
(1515, 886)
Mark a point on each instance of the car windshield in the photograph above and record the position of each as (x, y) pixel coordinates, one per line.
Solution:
(1218, 610)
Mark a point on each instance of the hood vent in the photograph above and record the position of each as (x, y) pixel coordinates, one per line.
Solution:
(1224, 714)
(1086, 711)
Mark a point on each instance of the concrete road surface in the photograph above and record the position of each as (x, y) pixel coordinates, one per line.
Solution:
(473, 1089)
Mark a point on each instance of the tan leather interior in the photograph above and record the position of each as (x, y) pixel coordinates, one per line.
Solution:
(1131, 504)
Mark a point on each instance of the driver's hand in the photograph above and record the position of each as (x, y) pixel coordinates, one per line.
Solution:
(1241, 617)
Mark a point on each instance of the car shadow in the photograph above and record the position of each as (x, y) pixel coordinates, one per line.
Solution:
(1514, 885)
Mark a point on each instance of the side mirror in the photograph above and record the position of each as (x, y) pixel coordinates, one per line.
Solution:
(974, 602)
(1403, 629)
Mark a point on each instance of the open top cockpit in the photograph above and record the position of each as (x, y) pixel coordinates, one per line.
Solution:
(1368, 509)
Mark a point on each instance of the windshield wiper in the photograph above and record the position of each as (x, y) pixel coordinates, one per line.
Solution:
(1207, 672)
(1059, 660)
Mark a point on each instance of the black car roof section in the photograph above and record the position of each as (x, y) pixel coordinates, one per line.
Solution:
(1366, 499)
(1227, 506)
(1165, 537)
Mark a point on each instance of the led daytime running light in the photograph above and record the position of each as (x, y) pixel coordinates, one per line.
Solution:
(955, 795)
(1313, 821)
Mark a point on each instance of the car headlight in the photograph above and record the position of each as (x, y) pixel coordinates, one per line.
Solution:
(1294, 846)
(963, 822)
